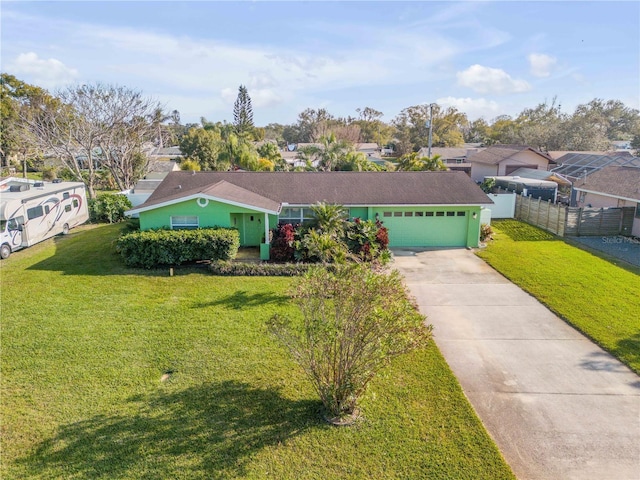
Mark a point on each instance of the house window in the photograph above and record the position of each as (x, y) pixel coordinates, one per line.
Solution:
(419, 214)
(75, 203)
(184, 222)
(461, 214)
(67, 208)
(439, 214)
(65, 195)
(451, 214)
(386, 214)
(46, 209)
(35, 212)
(428, 214)
(408, 214)
(397, 214)
(295, 215)
(637, 210)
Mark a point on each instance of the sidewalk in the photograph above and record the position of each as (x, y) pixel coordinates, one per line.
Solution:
(558, 406)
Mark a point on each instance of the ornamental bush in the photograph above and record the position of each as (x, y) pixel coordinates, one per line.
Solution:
(108, 208)
(330, 238)
(153, 248)
(354, 321)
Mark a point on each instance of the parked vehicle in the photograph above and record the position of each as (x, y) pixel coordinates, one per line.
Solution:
(31, 213)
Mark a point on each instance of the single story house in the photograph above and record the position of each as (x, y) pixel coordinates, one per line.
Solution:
(611, 186)
(501, 160)
(420, 209)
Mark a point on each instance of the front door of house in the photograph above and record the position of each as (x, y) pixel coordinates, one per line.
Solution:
(250, 227)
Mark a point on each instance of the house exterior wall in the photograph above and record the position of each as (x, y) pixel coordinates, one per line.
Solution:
(214, 214)
(525, 158)
(481, 170)
(598, 201)
(414, 226)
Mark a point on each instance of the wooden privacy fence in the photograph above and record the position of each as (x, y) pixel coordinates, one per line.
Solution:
(574, 221)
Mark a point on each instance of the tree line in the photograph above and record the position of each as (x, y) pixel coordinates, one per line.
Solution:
(105, 133)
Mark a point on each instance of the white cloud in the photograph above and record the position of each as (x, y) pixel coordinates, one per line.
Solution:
(541, 64)
(473, 107)
(48, 73)
(490, 80)
(265, 97)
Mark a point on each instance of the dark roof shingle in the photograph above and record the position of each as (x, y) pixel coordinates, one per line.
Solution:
(345, 188)
(497, 153)
(613, 180)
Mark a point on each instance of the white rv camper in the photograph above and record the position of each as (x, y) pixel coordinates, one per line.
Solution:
(31, 213)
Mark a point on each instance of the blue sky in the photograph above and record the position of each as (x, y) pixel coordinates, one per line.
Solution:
(485, 58)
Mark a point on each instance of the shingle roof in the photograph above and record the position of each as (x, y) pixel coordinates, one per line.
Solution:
(306, 188)
(497, 153)
(612, 180)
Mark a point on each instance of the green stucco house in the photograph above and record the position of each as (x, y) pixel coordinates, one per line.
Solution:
(420, 209)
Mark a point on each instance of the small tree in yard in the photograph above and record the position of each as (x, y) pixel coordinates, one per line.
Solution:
(354, 321)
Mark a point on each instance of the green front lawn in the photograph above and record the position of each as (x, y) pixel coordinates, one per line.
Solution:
(597, 297)
(109, 372)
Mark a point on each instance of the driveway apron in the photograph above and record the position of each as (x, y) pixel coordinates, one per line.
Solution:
(557, 405)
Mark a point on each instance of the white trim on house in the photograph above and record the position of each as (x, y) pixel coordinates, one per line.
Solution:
(580, 189)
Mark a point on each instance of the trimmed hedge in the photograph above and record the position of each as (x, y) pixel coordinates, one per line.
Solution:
(226, 268)
(154, 248)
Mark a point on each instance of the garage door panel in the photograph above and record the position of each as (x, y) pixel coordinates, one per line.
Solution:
(427, 231)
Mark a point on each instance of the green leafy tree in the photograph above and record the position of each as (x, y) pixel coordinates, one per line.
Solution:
(353, 161)
(354, 321)
(411, 162)
(203, 146)
(412, 131)
(18, 101)
(243, 111)
(635, 144)
(108, 208)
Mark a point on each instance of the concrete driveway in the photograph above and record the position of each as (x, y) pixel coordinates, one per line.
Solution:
(558, 406)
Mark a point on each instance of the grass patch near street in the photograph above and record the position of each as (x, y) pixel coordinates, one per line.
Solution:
(110, 372)
(598, 298)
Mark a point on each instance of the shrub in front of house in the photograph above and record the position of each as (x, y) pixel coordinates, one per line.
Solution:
(358, 240)
(154, 248)
(108, 208)
(263, 269)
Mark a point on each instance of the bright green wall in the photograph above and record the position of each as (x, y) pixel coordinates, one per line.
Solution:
(435, 231)
(215, 214)
(360, 212)
(406, 231)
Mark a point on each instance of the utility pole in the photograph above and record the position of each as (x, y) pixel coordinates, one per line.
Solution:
(430, 125)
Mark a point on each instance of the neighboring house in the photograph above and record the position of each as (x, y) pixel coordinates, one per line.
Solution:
(166, 153)
(142, 190)
(611, 186)
(501, 160)
(575, 166)
(455, 158)
(420, 209)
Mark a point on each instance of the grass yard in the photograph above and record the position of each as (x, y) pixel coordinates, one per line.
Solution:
(597, 297)
(109, 372)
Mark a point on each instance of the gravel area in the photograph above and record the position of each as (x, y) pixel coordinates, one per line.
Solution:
(624, 248)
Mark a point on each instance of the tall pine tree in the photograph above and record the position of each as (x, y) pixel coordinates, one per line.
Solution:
(242, 111)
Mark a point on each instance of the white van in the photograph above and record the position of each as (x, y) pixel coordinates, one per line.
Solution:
(31, 213)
